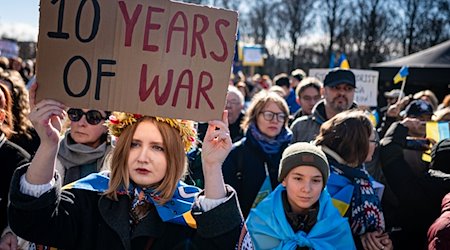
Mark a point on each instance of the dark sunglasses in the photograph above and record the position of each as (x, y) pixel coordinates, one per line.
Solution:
(93, 117)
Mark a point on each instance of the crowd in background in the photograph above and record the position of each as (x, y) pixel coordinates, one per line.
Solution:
(371, 170)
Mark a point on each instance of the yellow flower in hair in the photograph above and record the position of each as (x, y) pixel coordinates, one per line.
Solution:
(118, 121)
(186, 128)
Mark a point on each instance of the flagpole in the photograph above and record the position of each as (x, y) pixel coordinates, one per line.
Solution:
(401, 90)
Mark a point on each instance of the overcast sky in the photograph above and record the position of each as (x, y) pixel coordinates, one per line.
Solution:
(19, 19)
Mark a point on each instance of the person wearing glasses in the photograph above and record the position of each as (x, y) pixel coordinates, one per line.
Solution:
(307, 95)
(141, 203)
(348, 140)
(338, 95)
(253, 163)
(85, 145)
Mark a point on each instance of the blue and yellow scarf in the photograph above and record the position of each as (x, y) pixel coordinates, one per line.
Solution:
(352, 188)
(177, 210)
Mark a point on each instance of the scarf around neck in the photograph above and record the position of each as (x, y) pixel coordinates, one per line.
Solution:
(269, 228)
(366, 213)
(73, 154)
(177, 210)
(268, 145)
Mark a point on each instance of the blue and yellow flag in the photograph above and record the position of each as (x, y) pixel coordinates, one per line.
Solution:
(341, 192)
(401, 75)
(437, 131)
(343, 62)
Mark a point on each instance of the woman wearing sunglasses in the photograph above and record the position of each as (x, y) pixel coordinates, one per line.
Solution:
(141, 203)
(252, 166)
(85, 146)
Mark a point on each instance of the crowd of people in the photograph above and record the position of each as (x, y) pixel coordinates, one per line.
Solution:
(294, 163)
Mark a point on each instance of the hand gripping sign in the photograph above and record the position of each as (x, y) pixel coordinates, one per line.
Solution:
(156, 57)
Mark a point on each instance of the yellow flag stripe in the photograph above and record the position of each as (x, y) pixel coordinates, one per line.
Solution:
(189, 219)
(432, 130)
(345, 65)
(341, 206)
(68, 186)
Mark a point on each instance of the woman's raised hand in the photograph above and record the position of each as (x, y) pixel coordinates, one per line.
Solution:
(216, 147)
(217, 142)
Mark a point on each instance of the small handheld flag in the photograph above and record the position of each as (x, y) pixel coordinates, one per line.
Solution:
(343, 62)
(401, 75)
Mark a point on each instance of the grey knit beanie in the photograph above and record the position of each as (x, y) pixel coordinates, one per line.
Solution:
(303, 154)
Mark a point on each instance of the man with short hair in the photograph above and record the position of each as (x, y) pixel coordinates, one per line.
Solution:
(308, 94)
(338, 94)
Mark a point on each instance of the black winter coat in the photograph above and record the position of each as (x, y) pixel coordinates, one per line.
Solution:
(419, 196)
(11, 157)
(82, 219)
(244, 170)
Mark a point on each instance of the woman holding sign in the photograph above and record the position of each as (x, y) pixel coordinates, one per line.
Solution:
(140, 204)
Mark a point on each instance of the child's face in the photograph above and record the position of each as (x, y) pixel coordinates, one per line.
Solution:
(304, 185)
(147, 163)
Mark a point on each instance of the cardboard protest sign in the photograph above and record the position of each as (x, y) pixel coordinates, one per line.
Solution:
(366, 85)
(157, 57)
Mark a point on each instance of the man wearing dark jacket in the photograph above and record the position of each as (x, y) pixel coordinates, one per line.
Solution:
(338, 94)
(419, 196)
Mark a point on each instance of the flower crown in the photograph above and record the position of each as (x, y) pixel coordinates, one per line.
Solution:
(118, 121)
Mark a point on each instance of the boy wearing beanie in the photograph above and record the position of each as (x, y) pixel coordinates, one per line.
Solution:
(299, 212)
